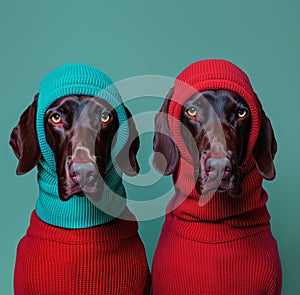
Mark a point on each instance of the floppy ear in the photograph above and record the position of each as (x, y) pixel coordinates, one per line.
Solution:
(166, 156)
(24, 142)
(126, 159)
(265, 149)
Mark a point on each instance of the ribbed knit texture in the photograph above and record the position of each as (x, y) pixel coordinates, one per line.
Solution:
(78, 212)
(219, 245)
(107, 259)
(244, 266)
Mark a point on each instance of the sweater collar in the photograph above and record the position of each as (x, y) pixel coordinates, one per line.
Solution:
(78, 212)
(219, 207)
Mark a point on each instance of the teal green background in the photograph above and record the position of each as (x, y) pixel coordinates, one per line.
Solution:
(128, 38)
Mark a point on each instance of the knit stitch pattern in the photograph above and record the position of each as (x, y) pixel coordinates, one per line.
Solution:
(99, 260)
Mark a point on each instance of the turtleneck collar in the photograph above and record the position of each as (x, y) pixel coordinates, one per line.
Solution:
(79, 211)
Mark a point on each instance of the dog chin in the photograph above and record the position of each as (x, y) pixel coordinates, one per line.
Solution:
(91, 191)
(67, 195)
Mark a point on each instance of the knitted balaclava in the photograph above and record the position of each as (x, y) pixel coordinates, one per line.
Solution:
(201, 76)
(212, 74)
(78, 212)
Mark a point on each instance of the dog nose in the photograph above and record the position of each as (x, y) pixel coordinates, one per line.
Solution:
(218, 168)
(82, 173)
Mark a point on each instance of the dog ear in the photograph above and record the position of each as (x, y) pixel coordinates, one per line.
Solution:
(24, 142)
(265, 149)
(126, 159)
(166, 156)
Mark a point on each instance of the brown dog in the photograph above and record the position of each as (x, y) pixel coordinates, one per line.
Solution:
(82, 239)
(214, 138)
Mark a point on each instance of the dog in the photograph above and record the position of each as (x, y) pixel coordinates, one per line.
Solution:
(213, 136)
(72, 246)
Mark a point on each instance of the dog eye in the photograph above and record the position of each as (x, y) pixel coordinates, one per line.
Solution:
(242, 113)
(191, 112)
(105, 118)
(56, 119)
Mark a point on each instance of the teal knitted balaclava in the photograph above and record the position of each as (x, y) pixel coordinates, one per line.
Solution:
(78, 212)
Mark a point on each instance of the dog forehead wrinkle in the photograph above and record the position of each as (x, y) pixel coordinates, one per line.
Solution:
(80, 103)
(66, 101)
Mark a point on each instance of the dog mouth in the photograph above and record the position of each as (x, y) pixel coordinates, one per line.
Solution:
(91, 190)
(217, 186)
(224, 185)
(83, 189)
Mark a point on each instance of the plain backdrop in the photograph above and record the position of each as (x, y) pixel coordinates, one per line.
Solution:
(129, 38)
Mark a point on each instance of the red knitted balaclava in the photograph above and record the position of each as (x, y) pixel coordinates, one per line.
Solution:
(212, 74)
(207, 75)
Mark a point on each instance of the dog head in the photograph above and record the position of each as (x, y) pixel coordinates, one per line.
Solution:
(80, 133)
(215, 127)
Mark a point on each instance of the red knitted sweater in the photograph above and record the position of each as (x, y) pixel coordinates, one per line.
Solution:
(220, 245)
(224, 247)
(106, 259)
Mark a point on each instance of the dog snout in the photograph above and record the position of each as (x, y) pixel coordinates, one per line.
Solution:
(83, 173)
(218, 168)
